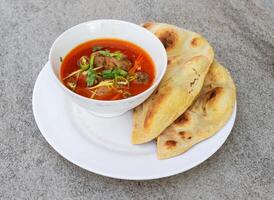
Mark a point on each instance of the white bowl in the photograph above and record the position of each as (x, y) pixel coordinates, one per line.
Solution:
(108, 29)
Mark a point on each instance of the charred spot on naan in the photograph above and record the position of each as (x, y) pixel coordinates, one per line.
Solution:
(198, 41)
(214, 93)
(183, 119)
(185, 135)
(169, 37)
(170, 144)
(148, 25)
(210, 98)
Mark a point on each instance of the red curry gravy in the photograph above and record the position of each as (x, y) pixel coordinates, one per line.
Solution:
(107, 69)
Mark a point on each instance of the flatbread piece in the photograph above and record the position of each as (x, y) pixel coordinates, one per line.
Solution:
(208, 114)
(189, 58)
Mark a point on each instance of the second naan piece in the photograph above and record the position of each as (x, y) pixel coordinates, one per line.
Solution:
(204, 118)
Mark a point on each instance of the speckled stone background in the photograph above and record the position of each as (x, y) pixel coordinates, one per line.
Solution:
(242, 34)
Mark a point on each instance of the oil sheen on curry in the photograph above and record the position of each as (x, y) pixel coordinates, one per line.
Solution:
(107, 69)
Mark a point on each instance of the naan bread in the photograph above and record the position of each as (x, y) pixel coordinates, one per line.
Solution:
(204, 118)
(179, 42)
(189, 58)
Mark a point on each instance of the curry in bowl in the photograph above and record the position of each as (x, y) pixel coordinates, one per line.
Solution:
(107, 69)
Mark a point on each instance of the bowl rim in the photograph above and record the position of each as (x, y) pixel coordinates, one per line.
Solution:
(152, 87)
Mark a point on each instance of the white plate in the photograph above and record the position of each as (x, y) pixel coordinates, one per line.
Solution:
(88, 141)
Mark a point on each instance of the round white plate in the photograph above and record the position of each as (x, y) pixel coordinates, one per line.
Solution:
(102, 145)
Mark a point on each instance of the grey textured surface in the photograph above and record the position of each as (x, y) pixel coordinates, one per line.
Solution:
(241, 33)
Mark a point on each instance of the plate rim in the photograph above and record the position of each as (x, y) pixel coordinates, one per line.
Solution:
(168, 174)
